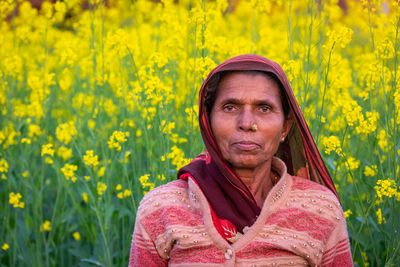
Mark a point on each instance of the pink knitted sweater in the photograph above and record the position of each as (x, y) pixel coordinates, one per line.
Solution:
(301, 224)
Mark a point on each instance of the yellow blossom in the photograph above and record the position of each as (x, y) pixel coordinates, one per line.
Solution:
(353, 163)
(386, 188)
(3, 166)
(25, 174)
(85, 197)
(127, 193)
(5, 246)
(64, 152)
(65, 132)
(382, 140)
(116, 139)
(118, 187)
(69, 171)
(381, 219)
(101, 171)
(34, 131)
(46, 226)
(370, 171)
(86, 177)
(331, 143)
(14, 199)
(26, 141)
(101, 187)
(90, 159)
(144, 181)
(91, 124)
(47, 150)
(178, 157)
(161, 177)
(77, 236)
(347, 213)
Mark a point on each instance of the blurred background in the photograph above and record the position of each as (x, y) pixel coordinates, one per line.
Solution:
(98, 105)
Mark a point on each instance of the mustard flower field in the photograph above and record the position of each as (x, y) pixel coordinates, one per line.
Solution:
(98, 105)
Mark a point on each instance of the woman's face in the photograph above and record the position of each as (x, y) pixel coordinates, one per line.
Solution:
(244, 100)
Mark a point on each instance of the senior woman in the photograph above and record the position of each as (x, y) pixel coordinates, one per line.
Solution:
(260, 195)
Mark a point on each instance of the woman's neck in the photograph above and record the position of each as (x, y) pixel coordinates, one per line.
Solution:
(258, 180)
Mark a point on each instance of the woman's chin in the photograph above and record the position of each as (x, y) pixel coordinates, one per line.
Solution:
(248, 162)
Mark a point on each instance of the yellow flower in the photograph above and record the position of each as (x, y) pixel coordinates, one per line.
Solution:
(116, 139)
(85, 197)
(77, 236)
(101, 187)
(118, 187)
(381, 219)
(48, 160)
(127, 193)
(144, 182)
(331, 143)
(5, 246)
(353, 163)
(3, 166)
(178, 157)
(25, 174)
(90, 159)
(370, 171)
(46, 226)
(65, 132)
(34, 130)
(26, 141)
(339, 38)
(14, 199)
(161, 177)
(86, 177)
(101, 171)
(382, 140)
(347, 213)
(69, 171)
(64, 152)
(47, 150)
(91, 124)
(386, 188)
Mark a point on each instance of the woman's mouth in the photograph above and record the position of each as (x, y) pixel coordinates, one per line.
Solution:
(245, 145)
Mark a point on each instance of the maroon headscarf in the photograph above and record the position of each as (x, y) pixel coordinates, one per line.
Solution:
(229, 198)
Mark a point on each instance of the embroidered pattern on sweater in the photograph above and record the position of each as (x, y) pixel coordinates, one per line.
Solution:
(303, 221)
(198, 254)
(260, 249)
(156, 221)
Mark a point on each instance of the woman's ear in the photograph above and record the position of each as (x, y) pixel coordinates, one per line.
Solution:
(287, 125)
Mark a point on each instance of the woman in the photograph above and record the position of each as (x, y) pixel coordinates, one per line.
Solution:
(239, 203)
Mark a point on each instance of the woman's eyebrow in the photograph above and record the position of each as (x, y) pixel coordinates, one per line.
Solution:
(231, 101)
(237, 101)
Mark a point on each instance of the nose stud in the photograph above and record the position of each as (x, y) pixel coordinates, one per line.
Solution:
(254, 127)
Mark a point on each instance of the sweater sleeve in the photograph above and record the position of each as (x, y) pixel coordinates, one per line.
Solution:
(143, 250)
(337, 250)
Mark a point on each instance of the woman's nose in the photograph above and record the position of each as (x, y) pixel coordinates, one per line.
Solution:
(246, 120)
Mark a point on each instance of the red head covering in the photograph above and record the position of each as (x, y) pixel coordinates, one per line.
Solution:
(228, 196)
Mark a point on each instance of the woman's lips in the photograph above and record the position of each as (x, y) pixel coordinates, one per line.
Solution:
(245, 145)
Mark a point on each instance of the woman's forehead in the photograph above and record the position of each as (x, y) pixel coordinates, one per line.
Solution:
(247, 84)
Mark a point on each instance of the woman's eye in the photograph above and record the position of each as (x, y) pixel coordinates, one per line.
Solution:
(229, 108)
(265, 108)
